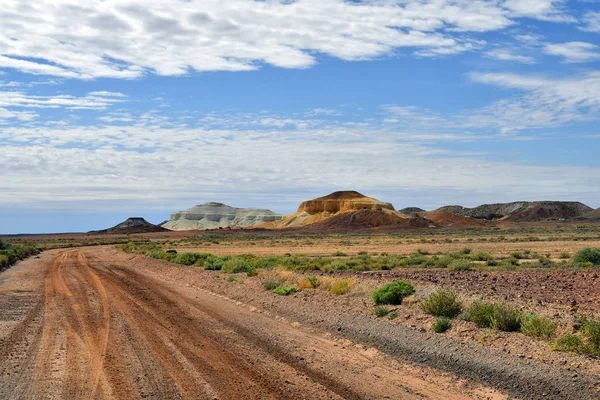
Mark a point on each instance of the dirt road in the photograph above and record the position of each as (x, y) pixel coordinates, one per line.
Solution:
(88, 323)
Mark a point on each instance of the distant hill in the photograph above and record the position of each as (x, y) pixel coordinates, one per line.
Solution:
(214, 215)
(593, 215)
(523, 211)
(133, 225)
(443, 218)
(412, 210)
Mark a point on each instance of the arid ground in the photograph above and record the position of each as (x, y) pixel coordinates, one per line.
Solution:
(97, 322)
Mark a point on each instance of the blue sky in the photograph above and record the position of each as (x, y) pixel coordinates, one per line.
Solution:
(110, 109)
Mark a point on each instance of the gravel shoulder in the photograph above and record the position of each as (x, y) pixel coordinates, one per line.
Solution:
(502, 361)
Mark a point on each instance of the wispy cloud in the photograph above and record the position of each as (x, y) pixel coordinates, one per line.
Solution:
(591, 22)
(546, 102)
(91, 101)
(573, 52)
(127, 39)
(508, 55)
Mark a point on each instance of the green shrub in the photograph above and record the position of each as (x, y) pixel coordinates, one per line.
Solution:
(236, 265)
(590, 330)
(231, 278)
(252, 272)
(494, 315)
(506, 318)
(213, 263)
(443, 303)
(339, 254)
(284, 290)
(271, 283)
(393, 315)
(340, 265)
(564, 255)
(186, 258)
(462, 264)
(3, 262)
(314, 281)
(571, 343)
(588, 255)
(381, 311)
(341, 287)
(393, 293)
(441, 325)
(482, 256)
(535, 326)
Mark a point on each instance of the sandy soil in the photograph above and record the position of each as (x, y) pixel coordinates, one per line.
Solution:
(98, 323)
(380, 244)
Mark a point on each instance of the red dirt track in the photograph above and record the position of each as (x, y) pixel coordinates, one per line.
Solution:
(88, 324)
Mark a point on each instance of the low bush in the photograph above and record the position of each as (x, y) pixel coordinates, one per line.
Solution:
(499, 316)
(235, 265)
(342, 287)
(441, 325)
(590, 330)
(443, 303)
(591, 255)
(11, 254)
(568, 342)
(393, 293)
(393, 315)
(186, 258)
(213, 263)
(539, 327)
(284, 290)
(271, 283)
(381, 311)
(462, 264)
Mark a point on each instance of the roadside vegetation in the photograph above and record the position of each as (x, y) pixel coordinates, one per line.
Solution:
(10, 254)
(279, 274)
(457, 261)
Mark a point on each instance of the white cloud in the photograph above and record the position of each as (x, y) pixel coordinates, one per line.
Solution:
(128, 38)
(507, 55)
(548, 10)
(545, 103)
(91, 101)
(591, 20)
(573, 52)
(80, 165)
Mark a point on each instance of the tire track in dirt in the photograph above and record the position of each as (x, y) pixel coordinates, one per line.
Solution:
(102, 329)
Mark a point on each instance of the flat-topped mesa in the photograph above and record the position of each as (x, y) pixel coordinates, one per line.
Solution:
(342, 201)
(213, 215)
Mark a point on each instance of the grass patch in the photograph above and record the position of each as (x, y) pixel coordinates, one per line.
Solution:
(393, 293)
(499, 316)
(568, 342)
(271, 283)
(461, 264)
(393, 315)
(443, 303)
(538, 327)
(441, 325)
(342, 287)
(284, 290)
(381, 311)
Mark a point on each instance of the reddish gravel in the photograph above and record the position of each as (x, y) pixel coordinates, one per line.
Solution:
(579, 290)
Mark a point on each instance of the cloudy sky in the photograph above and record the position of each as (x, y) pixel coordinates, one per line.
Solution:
(116, 108)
